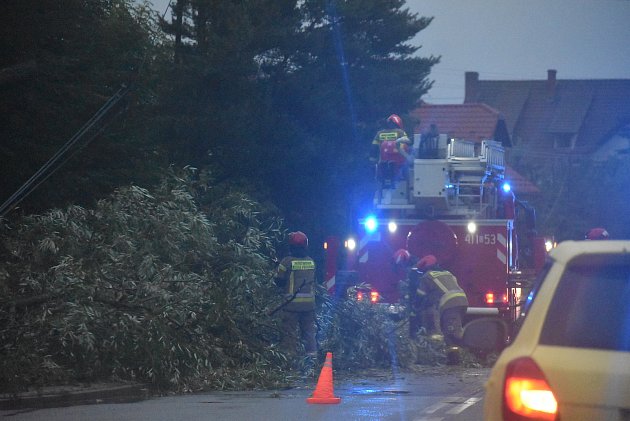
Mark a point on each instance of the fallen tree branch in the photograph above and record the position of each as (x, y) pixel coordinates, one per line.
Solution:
(26, 302)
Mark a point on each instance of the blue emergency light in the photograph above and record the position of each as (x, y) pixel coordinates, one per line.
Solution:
(506, 187)
(371, 224)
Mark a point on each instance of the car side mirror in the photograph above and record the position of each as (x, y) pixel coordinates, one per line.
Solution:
(485, 335)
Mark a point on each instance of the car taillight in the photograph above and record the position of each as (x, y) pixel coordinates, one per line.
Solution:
(374, 296)
(359, 295)
(526, 393)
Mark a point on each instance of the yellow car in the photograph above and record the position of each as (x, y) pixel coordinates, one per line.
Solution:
(571, 358)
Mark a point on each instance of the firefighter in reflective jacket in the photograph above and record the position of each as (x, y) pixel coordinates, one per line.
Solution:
(393, 133)
(440, 294)
(296, 276)
(391, 151)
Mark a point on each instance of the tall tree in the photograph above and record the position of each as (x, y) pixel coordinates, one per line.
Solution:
(288, 93)
(354, 65)
(68, 57)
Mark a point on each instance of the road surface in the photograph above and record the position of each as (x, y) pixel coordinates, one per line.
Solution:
(433, 394)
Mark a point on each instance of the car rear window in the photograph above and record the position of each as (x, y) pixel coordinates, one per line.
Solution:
(591, 305)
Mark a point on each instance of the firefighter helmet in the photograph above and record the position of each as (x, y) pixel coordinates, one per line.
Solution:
(401, 257)
(298, 239)
(395, 119)
(597, 234)
(427, 262)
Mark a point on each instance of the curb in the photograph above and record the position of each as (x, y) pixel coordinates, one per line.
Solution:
(67, 396)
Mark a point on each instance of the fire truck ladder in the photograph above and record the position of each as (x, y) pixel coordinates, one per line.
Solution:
(471, 166)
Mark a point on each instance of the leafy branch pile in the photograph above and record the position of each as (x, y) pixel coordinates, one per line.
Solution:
(363, 335)
(143, 287)
(146, 287)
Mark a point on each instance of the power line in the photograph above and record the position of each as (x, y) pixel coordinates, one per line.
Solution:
(55, 162)
(51, 166)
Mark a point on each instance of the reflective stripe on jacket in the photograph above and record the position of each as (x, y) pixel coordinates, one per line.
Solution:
(298, 276)
(444, 285)
(388, 134)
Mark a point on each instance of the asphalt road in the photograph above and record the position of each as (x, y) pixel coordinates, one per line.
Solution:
(434, 394)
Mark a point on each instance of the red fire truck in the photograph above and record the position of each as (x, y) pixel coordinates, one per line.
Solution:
(454, 203)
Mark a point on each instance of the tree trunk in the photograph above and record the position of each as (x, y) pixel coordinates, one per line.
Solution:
(179, 19)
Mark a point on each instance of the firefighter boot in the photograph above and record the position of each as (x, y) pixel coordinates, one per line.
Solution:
(453, 355)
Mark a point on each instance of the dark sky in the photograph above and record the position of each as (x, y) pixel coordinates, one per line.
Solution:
(519, 40)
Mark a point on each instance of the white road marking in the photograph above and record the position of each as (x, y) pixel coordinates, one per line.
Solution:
(435, 407)
(460, 408)
(429, 414)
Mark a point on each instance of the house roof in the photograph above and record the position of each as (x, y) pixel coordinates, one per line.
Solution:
(537, 112)
(475, 122)
(519, 184)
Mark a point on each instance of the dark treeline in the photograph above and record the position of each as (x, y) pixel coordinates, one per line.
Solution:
(279, 98)
(143, 249)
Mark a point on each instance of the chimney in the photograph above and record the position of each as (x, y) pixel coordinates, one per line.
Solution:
(472, 78)
(551, 82)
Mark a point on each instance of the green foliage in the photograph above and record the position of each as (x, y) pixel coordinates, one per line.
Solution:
(145, 287)
(286, 94)
(142, 287)
(349, 65)
(259, 90)
(172, 285)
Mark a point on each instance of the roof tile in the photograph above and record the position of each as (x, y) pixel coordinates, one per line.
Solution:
(463, 121)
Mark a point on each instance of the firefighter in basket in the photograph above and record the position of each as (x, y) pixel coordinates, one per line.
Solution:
(391, 151)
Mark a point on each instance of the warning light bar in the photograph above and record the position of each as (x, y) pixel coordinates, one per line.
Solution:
(373, 296)
(490, 298)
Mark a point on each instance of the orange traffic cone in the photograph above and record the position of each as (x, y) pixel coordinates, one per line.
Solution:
(324, 392)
